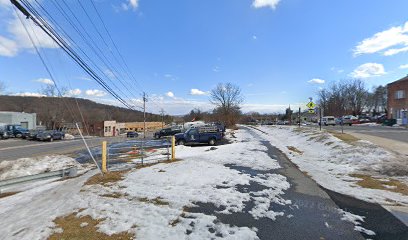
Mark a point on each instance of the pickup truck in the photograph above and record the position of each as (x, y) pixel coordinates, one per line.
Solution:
(199, 135)
(166, 132)
(17, 131)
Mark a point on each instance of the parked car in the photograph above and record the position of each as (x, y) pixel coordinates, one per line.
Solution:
(4, 134)
(132, 134)
(364, 119)
(166, 132)
(32, 135)
(50, 135)
(350, 120)
(328, 120)
(17, 131)
(199, 135)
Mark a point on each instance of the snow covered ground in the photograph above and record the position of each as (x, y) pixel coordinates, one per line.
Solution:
(153, 202)
(29, 166)
(330, 162)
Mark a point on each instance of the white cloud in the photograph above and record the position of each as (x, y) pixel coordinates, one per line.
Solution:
(29, 94)
(18, 39)
(110, 74)
(390, 42)
(195, 91)
(405, 66)
(8, 47)
(265, 3)
(130, 5)
(45, 81)
(170, 94)
(254, 37)
(95, 93)
(74, 92)
(216, 69)
(316, 81)
(368, 70)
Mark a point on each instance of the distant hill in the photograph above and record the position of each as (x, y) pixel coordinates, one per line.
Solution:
(53, 112)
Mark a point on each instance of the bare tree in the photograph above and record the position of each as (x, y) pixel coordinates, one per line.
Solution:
(227, 99)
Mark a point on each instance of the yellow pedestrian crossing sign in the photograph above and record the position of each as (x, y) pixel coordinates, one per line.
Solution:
(311, 111)
(311, 105)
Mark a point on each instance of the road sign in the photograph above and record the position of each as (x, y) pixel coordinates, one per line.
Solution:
(311, 111)
(311, 105)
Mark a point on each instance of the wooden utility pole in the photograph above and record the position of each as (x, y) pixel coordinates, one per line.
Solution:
(162, 116)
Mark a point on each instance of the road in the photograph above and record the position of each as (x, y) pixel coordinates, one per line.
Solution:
(314, 212)
(13, 149)
(397, 134)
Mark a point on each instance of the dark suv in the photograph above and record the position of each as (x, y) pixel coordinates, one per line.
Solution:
(166, 132)
(17, 131)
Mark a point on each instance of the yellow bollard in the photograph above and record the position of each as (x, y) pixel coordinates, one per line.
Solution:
(173, 148)
(104, 170)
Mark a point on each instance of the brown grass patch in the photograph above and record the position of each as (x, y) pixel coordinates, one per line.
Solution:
(72, 229)
(113, 195)
(7, 194)
(374, 183)
(344, 136)
(155, 201)
(106, 178)
(177, 220)
(293, 149)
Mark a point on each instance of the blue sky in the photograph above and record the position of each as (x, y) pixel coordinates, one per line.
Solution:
(277, 52)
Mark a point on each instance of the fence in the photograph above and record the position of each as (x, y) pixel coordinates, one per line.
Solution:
(138, 151)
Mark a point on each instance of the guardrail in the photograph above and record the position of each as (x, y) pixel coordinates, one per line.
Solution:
(68, 172)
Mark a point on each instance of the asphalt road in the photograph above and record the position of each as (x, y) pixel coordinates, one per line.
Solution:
(13, 149)
(393, 133)
(315, 210)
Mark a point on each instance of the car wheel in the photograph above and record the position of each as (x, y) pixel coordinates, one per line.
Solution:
(18, 135)
(349, 124)
(51, 139)
(211, 142)
(62, 137)
(181, 142)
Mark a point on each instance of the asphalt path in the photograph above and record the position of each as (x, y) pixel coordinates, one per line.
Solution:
(393, 133)
(13, 149)
(314, 212)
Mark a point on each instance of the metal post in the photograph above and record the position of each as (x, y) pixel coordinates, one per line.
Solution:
(173, 148)
(320, 113)
(104, 169)
(162, 117)
(168, 151)
(144, 114)
(299, 116)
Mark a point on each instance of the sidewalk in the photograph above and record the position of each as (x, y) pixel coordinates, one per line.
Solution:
(389, 144)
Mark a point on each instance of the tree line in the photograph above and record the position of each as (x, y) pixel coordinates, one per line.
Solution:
(352, 97)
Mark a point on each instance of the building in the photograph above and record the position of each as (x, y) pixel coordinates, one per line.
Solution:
(26, 120)
(398, 100)
(113, 128)
(138, 126)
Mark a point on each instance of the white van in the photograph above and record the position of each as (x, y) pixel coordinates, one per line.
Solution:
(188, 125)
(328, 120)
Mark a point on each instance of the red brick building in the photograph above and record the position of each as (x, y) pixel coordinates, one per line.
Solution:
(398, 100)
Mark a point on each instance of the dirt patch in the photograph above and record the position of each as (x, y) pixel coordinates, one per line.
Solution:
(382, 184)
(83, 228)
(107, 178)
(113, 195)
(344, 137)
(293, 149)
(7, 194)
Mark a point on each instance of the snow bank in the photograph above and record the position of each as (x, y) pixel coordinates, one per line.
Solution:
(330, 161)
(30, 166)
(69, 136)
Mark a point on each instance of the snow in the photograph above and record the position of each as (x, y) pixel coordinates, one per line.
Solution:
(69, 136)
(330, 161)
(201, 176)
(357, 220)
(30, 166)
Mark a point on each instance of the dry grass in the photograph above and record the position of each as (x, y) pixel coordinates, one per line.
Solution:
(293, 149)
(72, 230)
(374, 183)
(155, 201)
(177, 220)
(7, 194)
(113, 195)
(344, 136)
(107, 178)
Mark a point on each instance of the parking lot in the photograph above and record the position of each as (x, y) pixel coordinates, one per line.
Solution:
(12, 149)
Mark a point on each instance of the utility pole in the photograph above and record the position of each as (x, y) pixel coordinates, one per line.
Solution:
(299, 116)
(162, 115)
(144, 114)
